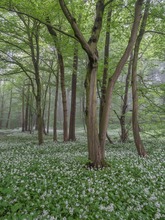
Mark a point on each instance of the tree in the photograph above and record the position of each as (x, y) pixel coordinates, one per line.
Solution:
(136, 133)
(96, 143)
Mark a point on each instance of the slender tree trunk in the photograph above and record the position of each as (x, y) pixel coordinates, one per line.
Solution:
(106, 63)
(62, 80)
(2, 109)
(136, 133)
(49, 104)
(72, 136)
(124, 131)
(55, 107)
(64, 99)
(27, 109)
(23, 109)
(105, 70)
(9, 112)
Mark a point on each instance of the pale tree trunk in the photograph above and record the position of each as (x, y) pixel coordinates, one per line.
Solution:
(136, 133)
(72, 136)
(9, 112)
(122, 118)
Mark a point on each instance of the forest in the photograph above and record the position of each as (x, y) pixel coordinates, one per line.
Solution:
(82, 109)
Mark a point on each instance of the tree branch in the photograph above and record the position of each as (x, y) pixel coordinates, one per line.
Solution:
(37, 19)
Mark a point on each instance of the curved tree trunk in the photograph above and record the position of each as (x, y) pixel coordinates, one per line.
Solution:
(113, 79)
(136, 133)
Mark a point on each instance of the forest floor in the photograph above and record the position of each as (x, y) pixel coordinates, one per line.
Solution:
(50, 182)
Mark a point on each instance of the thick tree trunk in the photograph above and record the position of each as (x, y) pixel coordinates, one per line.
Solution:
(136, 133)
(94, 151)
(72, 136)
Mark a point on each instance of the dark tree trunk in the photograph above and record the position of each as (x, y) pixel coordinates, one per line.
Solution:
(49, 104)
(72, 136)
(23, 109)
(55, 107)
(9, 112)
(27, 108)
(64, 99)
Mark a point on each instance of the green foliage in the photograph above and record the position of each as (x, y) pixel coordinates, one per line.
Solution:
(50, 181)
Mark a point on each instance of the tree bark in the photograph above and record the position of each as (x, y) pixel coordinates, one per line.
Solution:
(55, 106)
(72, 136)
(2, 108)
(49, 104)
(122, 118)
(23, 109)
(9, 112)
(136, 133)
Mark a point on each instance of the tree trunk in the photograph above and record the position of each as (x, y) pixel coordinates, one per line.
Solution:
(9, 112)
(49, 104)
(94, 154)
(23, 109)
(106, 63)
(72, 136)
(55, 106)
(136, 133)
(124, 131)
(2, 108)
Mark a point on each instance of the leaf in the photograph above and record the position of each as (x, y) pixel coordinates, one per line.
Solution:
(16, 207)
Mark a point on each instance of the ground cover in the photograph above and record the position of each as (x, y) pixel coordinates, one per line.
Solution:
(50, 181)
